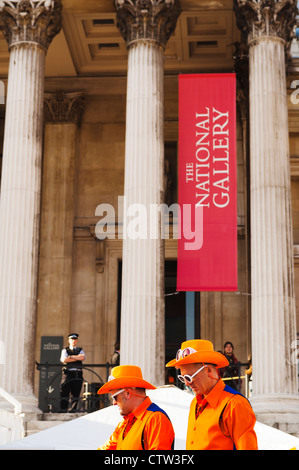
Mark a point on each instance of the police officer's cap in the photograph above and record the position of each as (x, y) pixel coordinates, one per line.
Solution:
(73, 336)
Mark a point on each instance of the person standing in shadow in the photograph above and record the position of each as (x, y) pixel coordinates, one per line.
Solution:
(72, 358)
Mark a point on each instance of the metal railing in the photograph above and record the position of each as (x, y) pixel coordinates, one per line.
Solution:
(238, 380)
(95, 375)
(51, 378)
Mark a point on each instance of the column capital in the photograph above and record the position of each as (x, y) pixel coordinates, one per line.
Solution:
(266, 18)
(153, 20)
(64, 107)
(30, 21)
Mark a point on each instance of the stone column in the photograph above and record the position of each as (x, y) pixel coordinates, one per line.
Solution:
(268, 25)
(29, 28)
(146, 27)
(63, 113)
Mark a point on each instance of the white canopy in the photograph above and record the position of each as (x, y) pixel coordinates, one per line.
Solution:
(90, 431)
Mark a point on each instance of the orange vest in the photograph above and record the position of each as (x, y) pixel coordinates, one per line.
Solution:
(226, 423)
(152, 430)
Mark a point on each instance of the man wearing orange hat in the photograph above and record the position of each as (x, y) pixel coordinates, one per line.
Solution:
(145, 426)
(219, 418)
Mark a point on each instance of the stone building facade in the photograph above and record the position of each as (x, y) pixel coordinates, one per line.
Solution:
(91, 119)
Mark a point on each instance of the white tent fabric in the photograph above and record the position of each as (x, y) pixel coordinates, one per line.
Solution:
(90, 431)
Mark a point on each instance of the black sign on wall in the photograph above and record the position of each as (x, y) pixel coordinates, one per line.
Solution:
(50, 376)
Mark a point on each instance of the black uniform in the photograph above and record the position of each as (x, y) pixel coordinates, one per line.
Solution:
(72, 379)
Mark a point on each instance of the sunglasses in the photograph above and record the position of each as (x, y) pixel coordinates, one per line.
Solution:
(188, 378)
(181, 353)
(117, 393)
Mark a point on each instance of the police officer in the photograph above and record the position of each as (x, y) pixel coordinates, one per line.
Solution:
(72, 377)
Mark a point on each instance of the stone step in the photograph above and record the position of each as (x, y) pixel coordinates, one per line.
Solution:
(60, 416)
(34, 427)
(47, 420)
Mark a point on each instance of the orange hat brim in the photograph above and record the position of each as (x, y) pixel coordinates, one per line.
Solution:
(125, 382)
(206, 357)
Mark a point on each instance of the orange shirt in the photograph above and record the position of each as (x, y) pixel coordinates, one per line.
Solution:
(226, 422)
(151, 430)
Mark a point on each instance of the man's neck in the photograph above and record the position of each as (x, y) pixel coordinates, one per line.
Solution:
(137, 402)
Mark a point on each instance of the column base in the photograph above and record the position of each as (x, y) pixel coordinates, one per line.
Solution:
(29, 404)
(280, 412)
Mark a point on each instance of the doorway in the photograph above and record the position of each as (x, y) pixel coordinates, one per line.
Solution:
(182, 313)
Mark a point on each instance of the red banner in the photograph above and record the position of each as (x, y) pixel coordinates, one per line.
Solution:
(207, 238)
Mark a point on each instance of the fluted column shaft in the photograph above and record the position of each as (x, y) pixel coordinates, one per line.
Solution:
(142, 314)
(268, 26)
(20, 191)
(146, 26)
(19, 214)
(273, 304)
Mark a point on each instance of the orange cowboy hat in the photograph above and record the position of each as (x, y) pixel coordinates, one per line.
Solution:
(198, 350)
(125, 377)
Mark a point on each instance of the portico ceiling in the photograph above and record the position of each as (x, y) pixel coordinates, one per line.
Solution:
(90, 43)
